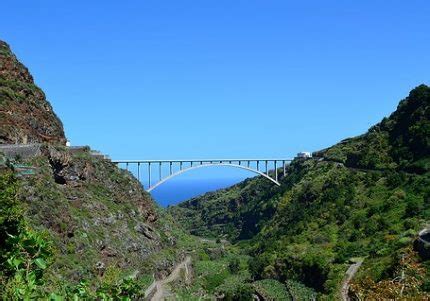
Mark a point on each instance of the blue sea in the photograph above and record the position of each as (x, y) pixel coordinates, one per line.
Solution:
(176, 191)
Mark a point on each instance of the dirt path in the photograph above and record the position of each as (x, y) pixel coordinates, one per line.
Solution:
(161, 286)
(213, 240)
(353, 268)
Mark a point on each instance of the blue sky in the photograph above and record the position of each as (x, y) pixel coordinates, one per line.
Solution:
(199, 79)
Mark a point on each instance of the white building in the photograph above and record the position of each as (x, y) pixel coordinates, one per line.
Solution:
(304, 155)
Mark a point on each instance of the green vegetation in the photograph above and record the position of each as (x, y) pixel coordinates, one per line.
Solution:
(366, 196)
(27, 254)
(23, 254)
(298, 291)
(272, 290)
(219, 270)
(236, 213)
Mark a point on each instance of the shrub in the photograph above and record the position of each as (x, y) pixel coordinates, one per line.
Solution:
(234, 265)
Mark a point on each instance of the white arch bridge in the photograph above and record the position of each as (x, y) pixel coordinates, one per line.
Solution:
(167, 169)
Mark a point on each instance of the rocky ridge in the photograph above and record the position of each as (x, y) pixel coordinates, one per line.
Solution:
(25, 114)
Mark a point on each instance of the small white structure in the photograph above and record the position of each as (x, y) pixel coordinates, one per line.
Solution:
(68, 143)
(304, 155)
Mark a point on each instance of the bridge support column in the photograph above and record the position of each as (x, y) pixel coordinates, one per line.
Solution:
(149, 175)
(283, 164)
(276, 172)
(159, 171)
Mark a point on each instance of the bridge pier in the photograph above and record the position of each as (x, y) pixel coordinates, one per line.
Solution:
(283, 164)
(149, 175)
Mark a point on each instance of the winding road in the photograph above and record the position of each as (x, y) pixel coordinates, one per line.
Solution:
(161, 286)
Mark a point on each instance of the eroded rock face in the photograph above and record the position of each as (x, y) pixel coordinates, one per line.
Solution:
(25, 114)
(65, 170)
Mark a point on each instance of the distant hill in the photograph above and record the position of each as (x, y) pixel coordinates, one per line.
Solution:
(364, 197)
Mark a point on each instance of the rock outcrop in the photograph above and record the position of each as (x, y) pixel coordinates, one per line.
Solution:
(25, 114)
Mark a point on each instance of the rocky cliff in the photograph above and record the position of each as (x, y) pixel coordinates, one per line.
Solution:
(25, 114)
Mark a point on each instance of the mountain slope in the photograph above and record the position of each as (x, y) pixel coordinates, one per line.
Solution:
(234, 213)
(400, 142)
(71, 224)
(364, 197)
(25, 114)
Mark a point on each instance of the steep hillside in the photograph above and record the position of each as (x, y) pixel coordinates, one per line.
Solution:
(25, 114)
(71, 224)
(364, 197)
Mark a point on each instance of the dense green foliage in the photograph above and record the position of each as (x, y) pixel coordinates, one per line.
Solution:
(364, 197)
(25, 253)
(271, 289)
(236, 213)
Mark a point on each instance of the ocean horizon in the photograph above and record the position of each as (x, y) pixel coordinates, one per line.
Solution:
(179, 190)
